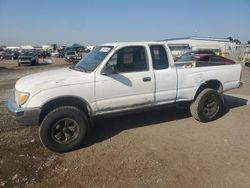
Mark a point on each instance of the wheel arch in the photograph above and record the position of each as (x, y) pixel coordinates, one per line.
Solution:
(68, 100)
(212, 84)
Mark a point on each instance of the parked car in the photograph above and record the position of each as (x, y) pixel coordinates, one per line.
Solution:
(61, 54)
(206, 59)
(28, 57)
(72, 56)
(1, 53)
(193, 53)
(43, 54)
(116, 78)
(10, 55)
(54, 54)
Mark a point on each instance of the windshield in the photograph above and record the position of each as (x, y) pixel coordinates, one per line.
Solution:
(70, 53)
(94, 58)
(27, 52)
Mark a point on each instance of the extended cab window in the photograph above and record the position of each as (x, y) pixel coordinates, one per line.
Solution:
(159, 57)
(129, 59)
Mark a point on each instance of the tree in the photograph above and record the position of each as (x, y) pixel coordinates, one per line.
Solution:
(237, 41)
(230, 39)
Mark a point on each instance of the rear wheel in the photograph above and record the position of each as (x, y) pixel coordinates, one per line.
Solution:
(207, 106)
(64, 129)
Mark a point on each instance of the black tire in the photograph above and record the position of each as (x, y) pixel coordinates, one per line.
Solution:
(51, 136)
(18, 64)
(207, 106)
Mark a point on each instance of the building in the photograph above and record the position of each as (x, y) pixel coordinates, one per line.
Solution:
(47, 47)
(12, 48)
(27, 47)
(181, 45)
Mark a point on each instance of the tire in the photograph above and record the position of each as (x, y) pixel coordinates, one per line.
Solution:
(53, 130)
(18, 64)
(207, 106)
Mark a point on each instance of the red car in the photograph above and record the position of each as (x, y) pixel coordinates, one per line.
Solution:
(208, 59)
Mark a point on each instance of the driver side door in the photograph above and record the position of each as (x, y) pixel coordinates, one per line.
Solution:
(129, 85)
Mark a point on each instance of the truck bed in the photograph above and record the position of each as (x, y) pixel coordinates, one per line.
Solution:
(191, 77)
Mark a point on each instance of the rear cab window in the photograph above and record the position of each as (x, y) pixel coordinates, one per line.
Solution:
(159, 57)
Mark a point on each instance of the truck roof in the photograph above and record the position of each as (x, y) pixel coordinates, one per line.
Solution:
(115, 44)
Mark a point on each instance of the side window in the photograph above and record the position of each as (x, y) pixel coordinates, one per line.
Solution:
(129, 59)
(159, 57)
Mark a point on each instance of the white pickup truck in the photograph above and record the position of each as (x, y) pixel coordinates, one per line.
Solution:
(112, 79)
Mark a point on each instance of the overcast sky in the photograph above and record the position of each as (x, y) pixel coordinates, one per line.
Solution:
(90, 22)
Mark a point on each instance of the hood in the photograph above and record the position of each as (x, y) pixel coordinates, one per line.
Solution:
(50, 79)
(26, 56)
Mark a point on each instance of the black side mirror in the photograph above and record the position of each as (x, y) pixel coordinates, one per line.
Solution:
(109, 69)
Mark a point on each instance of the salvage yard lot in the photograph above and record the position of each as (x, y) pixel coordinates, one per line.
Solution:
(160, 148)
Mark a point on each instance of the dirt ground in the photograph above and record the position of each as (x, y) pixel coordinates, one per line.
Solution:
(160, 148)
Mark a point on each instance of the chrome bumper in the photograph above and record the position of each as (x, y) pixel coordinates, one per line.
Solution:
(23, 116)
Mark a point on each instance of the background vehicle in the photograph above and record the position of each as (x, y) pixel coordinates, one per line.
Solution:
(54, 53)
(61, 53)
(206, 59)
(28, 57)
(10, 55)
(113, 79)
(43, 54)
(72, 56)
(247, 64)
(1, 53)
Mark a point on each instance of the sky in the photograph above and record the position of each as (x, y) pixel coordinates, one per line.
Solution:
(92, 22)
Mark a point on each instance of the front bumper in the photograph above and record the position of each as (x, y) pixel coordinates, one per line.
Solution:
(23, 116)
(24, 60)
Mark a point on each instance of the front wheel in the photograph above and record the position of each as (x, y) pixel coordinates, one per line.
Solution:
(207, 106)
(64, 129)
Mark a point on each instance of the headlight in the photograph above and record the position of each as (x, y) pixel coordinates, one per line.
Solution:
(21, 97)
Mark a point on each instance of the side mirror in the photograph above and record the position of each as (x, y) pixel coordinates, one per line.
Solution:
(109, 69)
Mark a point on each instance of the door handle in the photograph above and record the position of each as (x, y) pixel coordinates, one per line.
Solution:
(146, 79)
